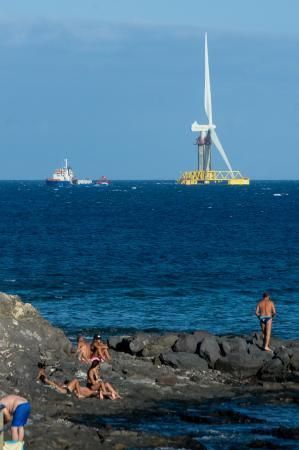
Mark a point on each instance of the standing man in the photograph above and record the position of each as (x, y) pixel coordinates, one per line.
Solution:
(265, 311)
(17, 409)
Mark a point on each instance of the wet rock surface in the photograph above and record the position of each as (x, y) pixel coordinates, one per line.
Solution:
(148, 369)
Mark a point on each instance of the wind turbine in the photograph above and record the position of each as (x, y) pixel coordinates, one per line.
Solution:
(207, 133)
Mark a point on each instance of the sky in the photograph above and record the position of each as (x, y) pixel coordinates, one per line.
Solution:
(115, 85)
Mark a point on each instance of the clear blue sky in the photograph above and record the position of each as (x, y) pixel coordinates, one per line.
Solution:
(116, 84)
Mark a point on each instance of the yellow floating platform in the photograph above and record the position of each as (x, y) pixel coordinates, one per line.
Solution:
(194, 177)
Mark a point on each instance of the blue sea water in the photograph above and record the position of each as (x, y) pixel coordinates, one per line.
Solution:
(152, 255)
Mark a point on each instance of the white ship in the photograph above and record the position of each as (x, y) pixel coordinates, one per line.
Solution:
(62, 177)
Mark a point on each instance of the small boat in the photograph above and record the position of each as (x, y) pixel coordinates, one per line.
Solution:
(63, 176)
(103, 181)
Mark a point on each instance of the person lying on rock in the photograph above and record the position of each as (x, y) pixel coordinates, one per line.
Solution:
(83, 350)
(95, 382)
(99, 349)
(265, 311)
(68, 387)
(17, 409)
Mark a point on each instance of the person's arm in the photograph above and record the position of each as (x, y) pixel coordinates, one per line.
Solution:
(6, 415)
(94, 378)
(257, 311)
(273, 310)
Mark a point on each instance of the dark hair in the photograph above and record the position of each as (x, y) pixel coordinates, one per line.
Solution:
(265, 295)
(96, 337)
(42, 378)
(66, 382)
(94, 363)
(41, 365)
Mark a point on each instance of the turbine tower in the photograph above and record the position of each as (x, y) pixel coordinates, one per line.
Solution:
(207, 133)
(208, 136)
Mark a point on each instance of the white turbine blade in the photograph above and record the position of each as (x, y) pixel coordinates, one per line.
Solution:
(219, 147)
(208, 99)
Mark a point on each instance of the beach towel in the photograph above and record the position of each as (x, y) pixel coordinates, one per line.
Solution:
(13, 445)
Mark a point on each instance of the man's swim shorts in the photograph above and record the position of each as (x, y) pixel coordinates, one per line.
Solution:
(21, 415)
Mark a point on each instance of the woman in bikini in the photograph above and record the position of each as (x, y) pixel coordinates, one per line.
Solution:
(99, 349)
(83, 350)
(95, 383)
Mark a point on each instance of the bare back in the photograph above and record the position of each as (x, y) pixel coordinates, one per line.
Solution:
(11, 402)
(93, 375)
(266, 307)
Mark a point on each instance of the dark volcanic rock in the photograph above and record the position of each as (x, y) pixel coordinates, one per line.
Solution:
(283, 354)
(182, 360)
(219, 417)
(167, 380)
(255, 338)
(273, 370)
(143, 344)
(186, 343)
(159, 344)
(258, 353)
(119, 343)
(138, 342)
(294, 361)
(26, 338)
(201, 334)
(209, 350)
(233, 344)
(190, 342)
(241, 366)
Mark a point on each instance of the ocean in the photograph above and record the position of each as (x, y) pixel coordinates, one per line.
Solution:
(152, 255)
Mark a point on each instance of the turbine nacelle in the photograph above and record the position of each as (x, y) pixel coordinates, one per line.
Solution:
(197, 128)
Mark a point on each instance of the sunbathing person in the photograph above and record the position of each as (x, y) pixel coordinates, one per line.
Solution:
(94, 382)
(83, 350)
(99, 349)
(70, 387)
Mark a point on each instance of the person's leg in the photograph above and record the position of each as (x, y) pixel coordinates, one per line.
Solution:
(101, 396)
(268, 334)
(85, 392)
(263, 328)
(21, 433)
(114, 394)
(72, 385)
(14, 433)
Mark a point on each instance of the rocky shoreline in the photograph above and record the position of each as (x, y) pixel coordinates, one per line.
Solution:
(151, 371)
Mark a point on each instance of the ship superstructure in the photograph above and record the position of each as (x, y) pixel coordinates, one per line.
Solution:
(63, 176)
(204, 174)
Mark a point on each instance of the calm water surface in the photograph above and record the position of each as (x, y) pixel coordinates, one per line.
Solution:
(152, 255)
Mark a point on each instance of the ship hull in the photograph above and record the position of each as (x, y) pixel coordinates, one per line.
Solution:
(58, 183)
